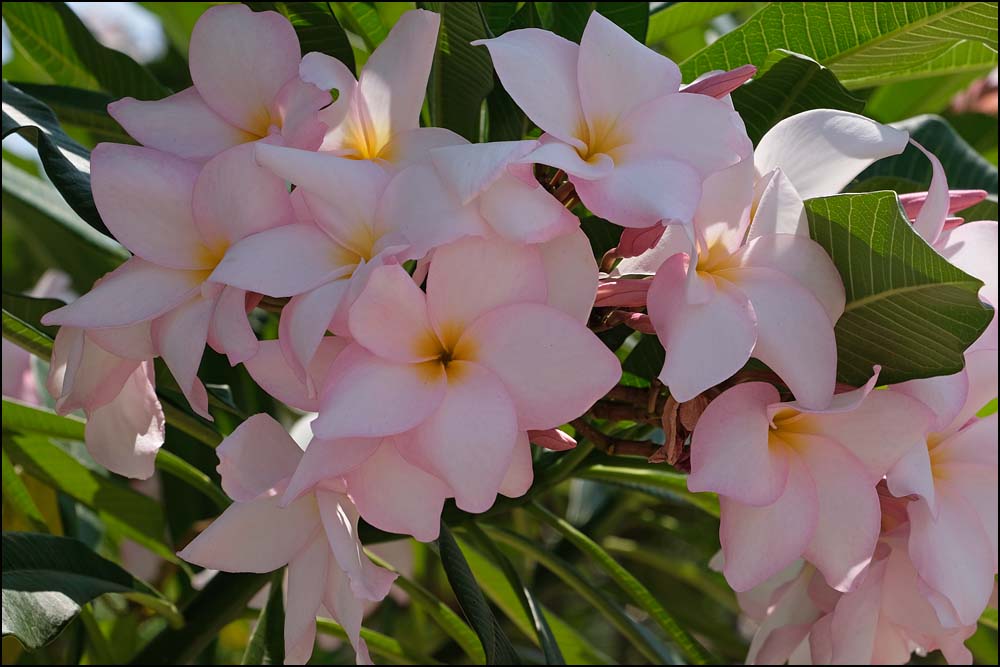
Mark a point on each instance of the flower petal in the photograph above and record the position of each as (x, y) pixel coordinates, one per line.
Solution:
(181, 124)
(468, 442)
(135, 292)
(389, 318)
(794, 333)
(144, 197)
(231, 543)
(230, 331)
(534, 349)
(394, 79)
(303, 324)
(550, 96)
(179, 337)
(849, 516)
(125, 434)
(328, 460)
(912, 475)
(705, 343)
(525, 213)
(821, 150)
(802, 260)
(779, 208)
(271, 371)
(642, 192)
(234, 197)
(570, 274)
(361, 385)
(617, 73)
(564, 156)
(473, 276)
(470, 169)
(972, 247)
(239, 60)
(262, 262)
(304, 598)
(520, 474)
(931, 218)
(759, 542)
(730, 452)
(132, 342)
(340, 520)
(255, 458)
(396, 496)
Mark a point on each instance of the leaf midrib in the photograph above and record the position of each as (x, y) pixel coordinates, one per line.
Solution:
(38, 39)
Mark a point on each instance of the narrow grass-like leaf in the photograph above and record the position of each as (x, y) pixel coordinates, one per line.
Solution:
(651, 480)
(267, 642)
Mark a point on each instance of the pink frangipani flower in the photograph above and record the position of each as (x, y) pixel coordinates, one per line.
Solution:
(247, 86)
(952, 473)
(468, 368)
(636, 150)
(377, 117)
(796, 482)
(179, 221)
(316, 536)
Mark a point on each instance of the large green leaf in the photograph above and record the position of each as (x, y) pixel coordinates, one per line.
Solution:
(267, 643)
(653, 480)
(496, 645)
(906, 99)
(80, 108)
(786, 84)
(53, 37)
(462, 74)
(632, 587)
(570, 18)
(908, 309)
(363, 20)
(529, 604)
(178, 19)
(316, 26)
(681, 16)
(864, 43)
(47, 579)
(963, 166)
(124, 511)
(66, 162)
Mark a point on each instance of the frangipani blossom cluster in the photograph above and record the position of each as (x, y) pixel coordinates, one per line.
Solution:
(436, 305)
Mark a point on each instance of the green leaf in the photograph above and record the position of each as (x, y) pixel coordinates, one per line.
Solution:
(642, 640)
(316, 26)
(681, 16)
(66, 162)
(651, 480)
(24, 418)
(786, 84)
(178, 19)
(80, 108)
(47, 579)
(498, 16)
(646, 358)
(496, 645)
(963, 166)
(267, 643)
(26, 336)
(16, 493)
(905, 99)
(529, 605)
(378, 644)
(462, 74)
(640, 595)
(442, 614)
(124, 511)
(172, 464)
(31, 309)
(570, 18)
(864, 43)
(221, 601)
(908, 309)
(50, 35)
(576, 648)
(363, 20)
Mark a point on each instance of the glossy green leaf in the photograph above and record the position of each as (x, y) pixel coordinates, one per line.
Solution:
(53, 37)
(908, 309)
(462, 74)
(496, 645)
(47, 579)
(26, 336)
(576, 648)
(640, 595)
(267, 643)
(178, 19)
(363, 20)
(570, 18)
(863, 43)
(24, 418)
(963, 165)
(653, 480)
(124, 511)
(83, 109)
(643, 641)
(529, 604)
(316, 26)
(66, 162)
(379, 644)
(897, 101)
(681, 16)
(786, 84)
(499, 15)
(16, 494)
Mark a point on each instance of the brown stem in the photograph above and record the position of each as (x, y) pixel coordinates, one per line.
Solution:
(621, 412)
(271, 304)
(556, 179)
(566, 194)
(612, 446)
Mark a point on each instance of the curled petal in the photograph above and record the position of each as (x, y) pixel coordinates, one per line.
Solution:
(179, 337)
(720, 84)
(552, 439)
